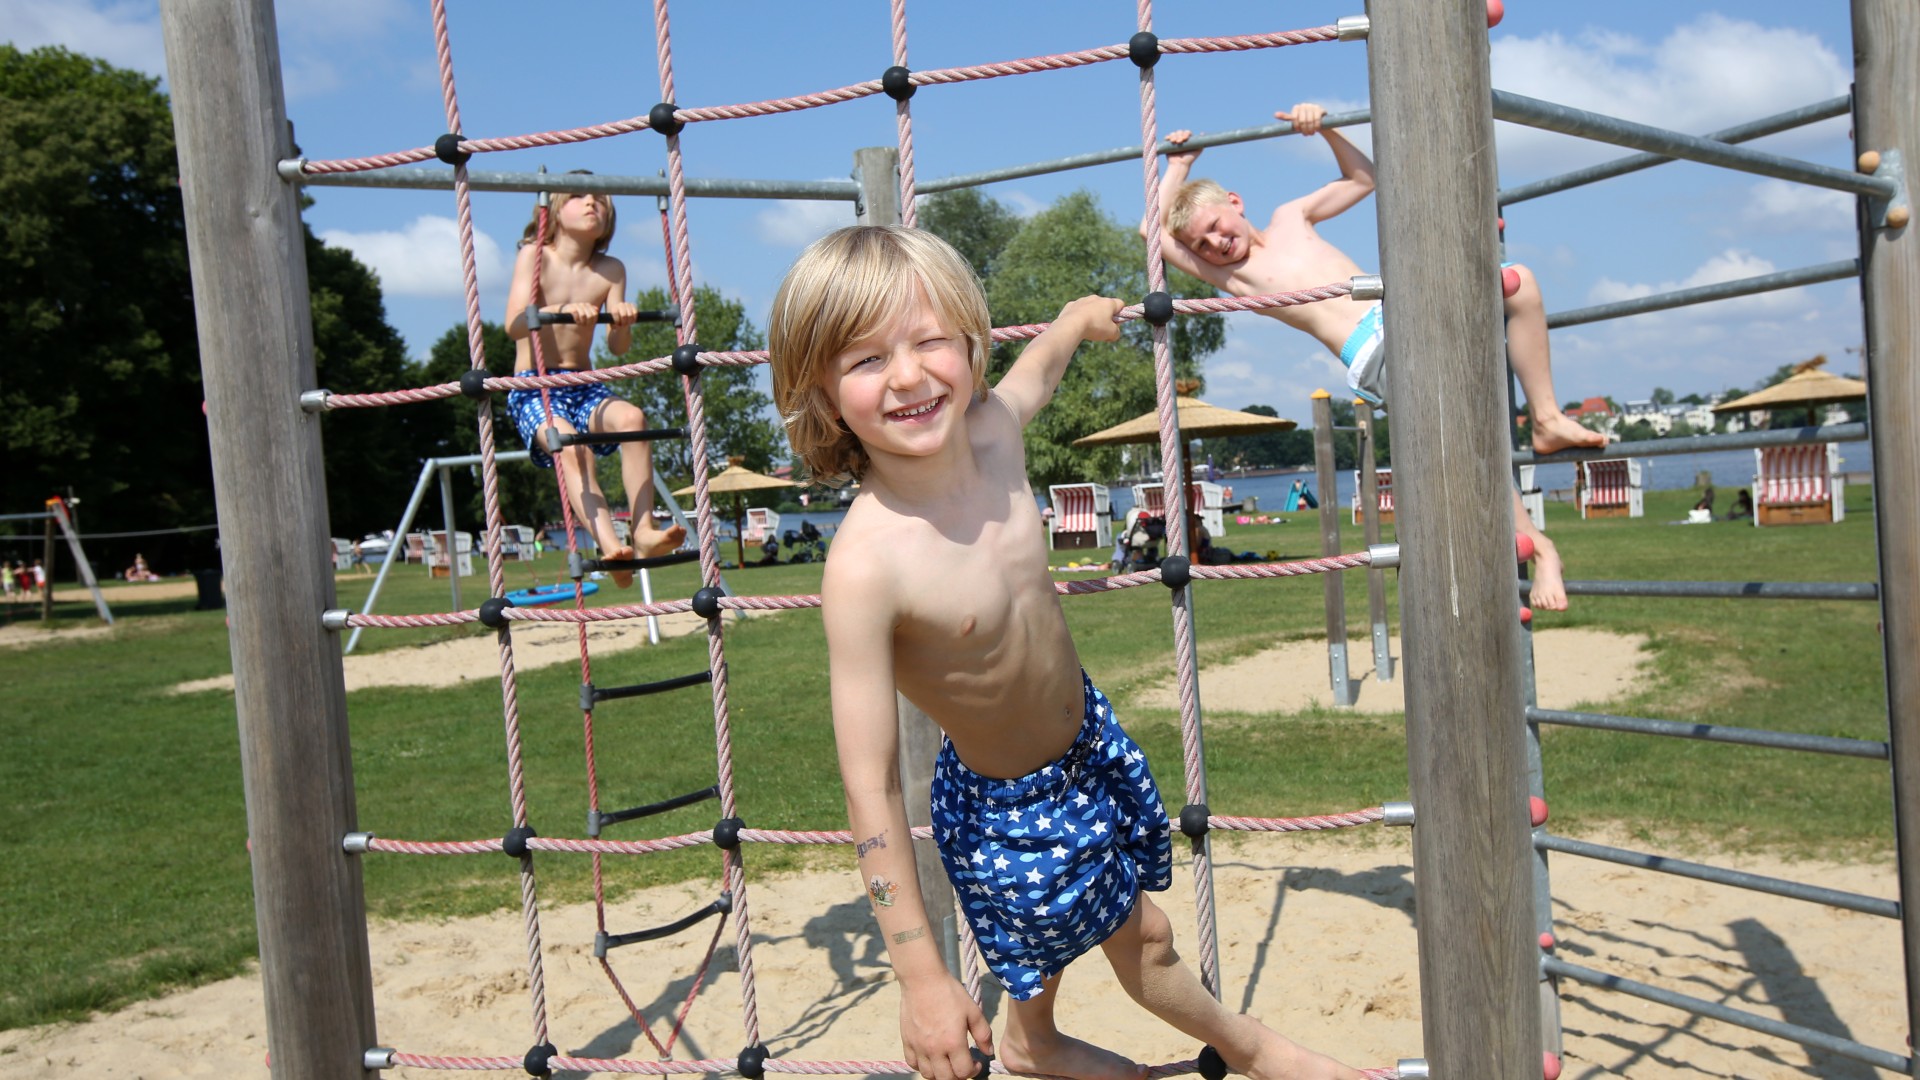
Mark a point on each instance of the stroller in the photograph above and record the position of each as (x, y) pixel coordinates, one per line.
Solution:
(1139, 546)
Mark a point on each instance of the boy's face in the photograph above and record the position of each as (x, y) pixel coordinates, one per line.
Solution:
(1218, 233)
(583, 213)
(902, 388)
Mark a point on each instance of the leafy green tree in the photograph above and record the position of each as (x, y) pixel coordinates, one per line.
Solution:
(1637, 431)
(1680, 430)
(977, 226)
(448, 428)
(1662, 396)
(1073, 249)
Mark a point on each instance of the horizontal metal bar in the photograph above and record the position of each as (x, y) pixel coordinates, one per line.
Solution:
(1805, 1036)
(589, 438)
(25, 517)
(1680, 729)
(1129, 153)
(604, 942)
(1700, 444)
(591, 695)
(1731, 590)
(600, 819)
(1548, 116)
(1753, 129)
(466, 460)
(1739, 879)
(1703, 294)
(429, 179)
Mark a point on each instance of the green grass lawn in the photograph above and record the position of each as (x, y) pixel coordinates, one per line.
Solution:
(127, 844)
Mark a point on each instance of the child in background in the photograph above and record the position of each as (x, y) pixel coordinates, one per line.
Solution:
(1046, 817)
(577, 276)
(1205, 232)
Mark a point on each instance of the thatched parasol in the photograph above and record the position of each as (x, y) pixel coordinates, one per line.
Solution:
(737, 480)
(1807, 387)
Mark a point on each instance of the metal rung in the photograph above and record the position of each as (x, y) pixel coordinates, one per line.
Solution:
(588, 438)
(599, 819)
(579, 566)
(604, 942)
(591, 695)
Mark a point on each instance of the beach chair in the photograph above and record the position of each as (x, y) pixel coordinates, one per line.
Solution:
(1082, 517)
(1609, 488)
(761, 524)
(416, 549)
(1798, 485)
(342, 554)
(1203, 496)
(516, 542)
(443, 557)
(1383, 478)
(1533, 498)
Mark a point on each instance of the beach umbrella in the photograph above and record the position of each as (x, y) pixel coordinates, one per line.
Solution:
(737, 480)
(1807, 387)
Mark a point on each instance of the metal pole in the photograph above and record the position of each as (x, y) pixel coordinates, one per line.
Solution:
(1886, 51)
(245, 243)
(428, 179)
(398, 544)
(1332, 587)
(1725, 290)
(1697, 444)
(1465, 754)
(80, 561)
(452, 553)
(46, 572)
(1370, 522)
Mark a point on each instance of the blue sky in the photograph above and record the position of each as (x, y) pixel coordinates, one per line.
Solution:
(361, 79)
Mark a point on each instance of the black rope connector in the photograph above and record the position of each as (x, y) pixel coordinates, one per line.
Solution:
(1158, 308)
(1211, 1064)
(898, 83)
(1143, 49)
(493, 612)
(661, 119)
(473, 383)
(515, 842)
(686, 360)
(536, 1061)
(1193, 819)
(752, 1062)
(447, 149)
(1175, 571)
(985, 1061)
(726, 833)
(706, 602)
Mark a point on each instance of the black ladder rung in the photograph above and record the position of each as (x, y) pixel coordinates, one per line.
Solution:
(588, 438)
(600, 819)
(591, 695)
(536, 317)
(579, 566)
(604, 942)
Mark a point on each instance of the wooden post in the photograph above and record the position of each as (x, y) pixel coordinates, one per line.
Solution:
(1886, 118)
(1370, 532)
(1433, 138)
(256, 356)
(1332, 586)
(877, 168)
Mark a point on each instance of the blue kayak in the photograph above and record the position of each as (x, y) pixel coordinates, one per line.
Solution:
(549, 594)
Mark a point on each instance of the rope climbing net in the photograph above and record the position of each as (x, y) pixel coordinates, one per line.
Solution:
(710, 602)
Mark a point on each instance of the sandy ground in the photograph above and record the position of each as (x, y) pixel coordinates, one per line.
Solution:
(1316, 937)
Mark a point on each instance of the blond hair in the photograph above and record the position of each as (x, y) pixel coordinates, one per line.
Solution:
(1192, 195)
(553, 217)
(845, 286)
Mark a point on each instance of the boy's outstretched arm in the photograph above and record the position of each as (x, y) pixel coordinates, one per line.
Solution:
(1179, 169)
(1030, 383)
(1356, 169)
(936, 1015)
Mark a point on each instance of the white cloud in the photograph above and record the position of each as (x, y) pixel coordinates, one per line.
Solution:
(1265, 362)
(124, 33)
(1730, 265)
(1711, 73)
(1778, 206)
(423, 259)
(798, 222)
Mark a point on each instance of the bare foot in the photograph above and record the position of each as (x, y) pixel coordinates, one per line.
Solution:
(1059, 1055)
(1560, 432)
(621, 578)
(1549, 587)
(655, 542)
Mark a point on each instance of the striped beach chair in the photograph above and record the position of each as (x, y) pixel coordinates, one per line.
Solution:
(1082, 517)
(1798, 485)
(1610, 488)
(1383, 478)
(761, 524)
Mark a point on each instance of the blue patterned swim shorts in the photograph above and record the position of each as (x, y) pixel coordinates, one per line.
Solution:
(1048, 865)
(574, 404)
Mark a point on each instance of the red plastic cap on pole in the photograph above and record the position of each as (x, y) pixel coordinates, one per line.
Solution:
(1550, 1065)
(1509, 281)
(1496, 10)
(1523, 547)
(1536, 810)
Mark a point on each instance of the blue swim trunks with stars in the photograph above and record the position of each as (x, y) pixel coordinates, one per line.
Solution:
(1047, 865)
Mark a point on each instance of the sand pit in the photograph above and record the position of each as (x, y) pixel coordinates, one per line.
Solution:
(1573, 666)
(1316, 937)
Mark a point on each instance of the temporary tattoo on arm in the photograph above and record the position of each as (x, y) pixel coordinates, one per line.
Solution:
(871, 843)
(909, 935)
(881, 891)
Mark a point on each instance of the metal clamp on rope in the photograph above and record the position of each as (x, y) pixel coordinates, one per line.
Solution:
(1368, 287)
(357, 843)
(292, 170)
(1413, 1069)
(1397, 814)
(378, 1057)
(1383, 556)
(315, 400)
(335, 618)
(1353, 27)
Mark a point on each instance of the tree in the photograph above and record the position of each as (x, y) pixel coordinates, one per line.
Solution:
(1680, 430)
(1638, 431)
(977, 226)
(1067, 251)
(1662, 396)
(450, 428)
